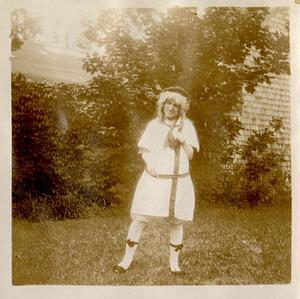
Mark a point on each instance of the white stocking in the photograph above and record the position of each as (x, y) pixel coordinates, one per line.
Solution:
(135, 230)
(176, 237)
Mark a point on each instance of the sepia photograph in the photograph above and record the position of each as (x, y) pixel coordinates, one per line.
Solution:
(150, 145)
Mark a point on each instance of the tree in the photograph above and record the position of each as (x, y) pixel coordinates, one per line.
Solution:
(23, 27)
(145, 50)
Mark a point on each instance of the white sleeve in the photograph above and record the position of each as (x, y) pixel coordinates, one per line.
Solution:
(146, 140)
(190, 134)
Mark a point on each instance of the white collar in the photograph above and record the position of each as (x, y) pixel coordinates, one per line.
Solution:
(176, 124)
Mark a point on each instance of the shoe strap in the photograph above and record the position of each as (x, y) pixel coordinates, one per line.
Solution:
(177, 247)
(131, 243)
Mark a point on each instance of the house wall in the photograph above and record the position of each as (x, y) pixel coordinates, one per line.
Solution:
(269, 100)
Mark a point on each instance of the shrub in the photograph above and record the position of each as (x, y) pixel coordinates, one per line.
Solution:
(256, 176)
(70, 148)
(35, 139)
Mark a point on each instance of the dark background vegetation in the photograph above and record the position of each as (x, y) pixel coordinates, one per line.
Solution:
(74, 145)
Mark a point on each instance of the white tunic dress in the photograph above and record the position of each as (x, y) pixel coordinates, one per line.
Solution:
(152, 195)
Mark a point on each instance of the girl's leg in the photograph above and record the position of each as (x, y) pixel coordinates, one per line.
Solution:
(135, 230)
(176, 237)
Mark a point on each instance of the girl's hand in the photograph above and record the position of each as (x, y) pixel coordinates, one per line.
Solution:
(179, 136)
(186, 147)
(151, 171)
(149, 164)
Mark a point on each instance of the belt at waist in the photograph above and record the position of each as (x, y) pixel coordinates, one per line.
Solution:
(169, 176)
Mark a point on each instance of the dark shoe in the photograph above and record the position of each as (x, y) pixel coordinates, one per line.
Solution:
(176, 273)
(119, 269)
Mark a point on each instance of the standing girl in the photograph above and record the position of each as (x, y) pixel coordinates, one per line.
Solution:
(165, 188)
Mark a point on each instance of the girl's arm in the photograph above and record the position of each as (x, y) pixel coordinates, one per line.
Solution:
(146, 157)
(188, 149)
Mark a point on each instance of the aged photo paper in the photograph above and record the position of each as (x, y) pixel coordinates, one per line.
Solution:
(61, 23)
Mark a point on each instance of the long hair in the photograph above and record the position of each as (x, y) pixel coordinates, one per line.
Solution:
(179, 95)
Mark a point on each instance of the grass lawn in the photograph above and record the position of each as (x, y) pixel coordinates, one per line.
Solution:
(223, 245)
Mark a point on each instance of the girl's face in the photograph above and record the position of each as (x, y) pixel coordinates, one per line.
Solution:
(171, 109)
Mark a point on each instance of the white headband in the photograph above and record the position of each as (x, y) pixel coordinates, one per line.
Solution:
(177, 97)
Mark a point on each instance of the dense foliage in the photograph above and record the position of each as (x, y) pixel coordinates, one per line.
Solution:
(75, 146)
(146, 50)
(252, 172)
(67, 153)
